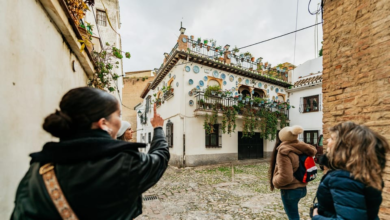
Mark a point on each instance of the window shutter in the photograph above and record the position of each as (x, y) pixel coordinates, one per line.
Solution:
(301, 105)
(320, 102)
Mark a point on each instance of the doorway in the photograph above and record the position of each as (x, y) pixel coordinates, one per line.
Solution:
(250, 148)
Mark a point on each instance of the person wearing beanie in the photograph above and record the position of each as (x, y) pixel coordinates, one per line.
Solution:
(125, 133)
(284, 162)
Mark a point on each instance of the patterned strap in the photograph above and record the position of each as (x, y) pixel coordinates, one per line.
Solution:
(55, 192)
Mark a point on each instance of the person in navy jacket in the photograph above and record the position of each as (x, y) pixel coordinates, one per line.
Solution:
(352, 189)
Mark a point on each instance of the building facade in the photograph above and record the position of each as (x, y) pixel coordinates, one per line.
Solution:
(306, 96)
(104, 16)
(179, 90)
(134, 83)
(356, 79)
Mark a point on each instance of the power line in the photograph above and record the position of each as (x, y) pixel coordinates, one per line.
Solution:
(280, 36)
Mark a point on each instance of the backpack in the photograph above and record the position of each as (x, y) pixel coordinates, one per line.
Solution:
(307, 170)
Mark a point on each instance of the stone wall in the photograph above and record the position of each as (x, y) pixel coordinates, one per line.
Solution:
(356, 76)
(133, 87)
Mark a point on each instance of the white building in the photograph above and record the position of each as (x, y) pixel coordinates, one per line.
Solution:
(189, 68)
(105, 18)
(306, 96)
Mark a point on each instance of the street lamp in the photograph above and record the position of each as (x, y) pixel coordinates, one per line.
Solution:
(227, 46)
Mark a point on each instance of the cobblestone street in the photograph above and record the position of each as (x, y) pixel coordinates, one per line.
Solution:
(210, 193)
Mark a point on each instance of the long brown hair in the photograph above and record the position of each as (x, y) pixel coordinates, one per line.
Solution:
(273, 162)
(360, 151)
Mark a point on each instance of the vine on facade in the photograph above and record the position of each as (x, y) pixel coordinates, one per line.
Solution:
(106, 60)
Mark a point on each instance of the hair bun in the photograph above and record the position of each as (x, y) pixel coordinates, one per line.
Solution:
(57, 124)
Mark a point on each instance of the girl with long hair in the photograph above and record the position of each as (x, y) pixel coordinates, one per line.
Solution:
(284, 162)
(352, 189)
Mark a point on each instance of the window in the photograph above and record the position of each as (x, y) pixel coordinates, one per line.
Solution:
(213, 139)
(310, 137)
(149, 137)
(281, 98)
(213, 82)
(101, 18)
(309, 104)
(169, 133)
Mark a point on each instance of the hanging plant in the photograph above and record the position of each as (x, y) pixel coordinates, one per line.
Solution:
(104, 61)
(229, 120)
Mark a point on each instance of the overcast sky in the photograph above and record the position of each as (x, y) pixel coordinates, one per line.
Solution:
(151, 27)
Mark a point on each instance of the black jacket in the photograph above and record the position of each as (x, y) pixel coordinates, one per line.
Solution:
(340, 196)
(101, 178)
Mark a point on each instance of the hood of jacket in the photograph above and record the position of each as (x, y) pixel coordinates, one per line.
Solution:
(297, 147)
(83, 146)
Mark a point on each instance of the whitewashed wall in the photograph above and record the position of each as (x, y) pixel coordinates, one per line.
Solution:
(310, 66)
(178, 110)
(36, 71)
(309, 120)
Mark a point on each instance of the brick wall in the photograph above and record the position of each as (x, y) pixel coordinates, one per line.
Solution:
(131, 97)
(356, 62)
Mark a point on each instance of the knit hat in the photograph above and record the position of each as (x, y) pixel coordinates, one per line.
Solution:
(124, 126)
(290, 133)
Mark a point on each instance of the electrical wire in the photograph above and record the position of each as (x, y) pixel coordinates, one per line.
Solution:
(281, 35)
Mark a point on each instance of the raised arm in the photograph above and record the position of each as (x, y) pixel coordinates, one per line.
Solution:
(147, 169)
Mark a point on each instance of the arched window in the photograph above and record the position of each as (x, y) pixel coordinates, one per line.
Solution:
(245, 93)
(213, 83)
(259, 93)
(169, 133)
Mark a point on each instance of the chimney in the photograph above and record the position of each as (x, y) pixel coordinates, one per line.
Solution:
(183, 40)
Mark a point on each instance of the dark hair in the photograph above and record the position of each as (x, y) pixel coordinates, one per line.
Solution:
(273, 162)
(121, 137)
(323, 161)
(79, 108)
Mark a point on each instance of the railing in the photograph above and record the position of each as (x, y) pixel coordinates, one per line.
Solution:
(208, 102)
(168, 94)
(245, 62)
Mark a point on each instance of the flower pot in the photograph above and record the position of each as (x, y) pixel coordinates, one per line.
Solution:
(247, 99)
(193, 45)
(239, 98)
(192, 37)
(252, 59)
(219, 94)
(200, 45)
(220, 59)
(212, 92)
(208, 48)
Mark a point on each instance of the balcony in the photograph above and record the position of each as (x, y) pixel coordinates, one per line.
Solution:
(241, 105)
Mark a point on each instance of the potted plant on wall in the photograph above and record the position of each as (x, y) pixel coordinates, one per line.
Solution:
(192, 37)
(247, 55)
(205, 41)
(235, 50)
(199, 40)
(247, 98)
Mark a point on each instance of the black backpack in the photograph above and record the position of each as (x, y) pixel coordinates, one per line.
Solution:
(307, 170)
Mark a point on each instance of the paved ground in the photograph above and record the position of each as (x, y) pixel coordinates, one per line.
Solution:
(210, 193)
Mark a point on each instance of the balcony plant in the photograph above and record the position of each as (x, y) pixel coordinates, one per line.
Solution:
(205, 41)
(247, 97)
(235, 50)
(199, 40)
(211, 90)
(77, 9)
(106, 61)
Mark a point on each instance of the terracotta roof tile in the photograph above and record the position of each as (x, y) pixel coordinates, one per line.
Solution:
(308, 81)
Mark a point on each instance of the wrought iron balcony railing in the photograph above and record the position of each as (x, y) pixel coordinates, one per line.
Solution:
(207, 103)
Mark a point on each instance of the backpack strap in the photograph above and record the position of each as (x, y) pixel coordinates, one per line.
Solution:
(55, 192)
